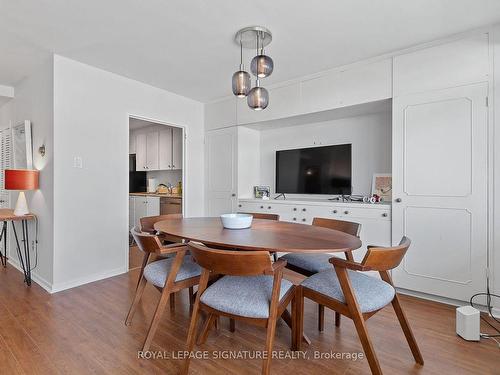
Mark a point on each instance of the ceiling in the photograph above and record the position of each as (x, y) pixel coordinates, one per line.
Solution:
(187, 46)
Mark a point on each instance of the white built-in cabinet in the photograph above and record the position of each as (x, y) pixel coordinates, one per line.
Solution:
(157, 149)
(375, 219)
(142, 206)
(440, 167)
(441, 124)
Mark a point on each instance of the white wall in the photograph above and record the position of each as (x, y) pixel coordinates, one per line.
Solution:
(91, 114)
(34, 101)
(370, 136)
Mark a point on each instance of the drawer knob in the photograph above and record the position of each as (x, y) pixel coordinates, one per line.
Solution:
(261, 206)
(269, 207)
(304, 219)
(335, 211)
(304, 209)
(295, 208)
(346, 212)
(239, 205)
(384, 214)
(294, 219)
(398, 200)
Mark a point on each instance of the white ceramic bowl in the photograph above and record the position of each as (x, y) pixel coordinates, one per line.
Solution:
(236, 221)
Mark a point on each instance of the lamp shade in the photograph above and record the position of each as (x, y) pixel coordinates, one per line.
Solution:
(21, 179)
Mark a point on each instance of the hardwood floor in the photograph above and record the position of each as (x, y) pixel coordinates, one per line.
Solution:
(82, 331)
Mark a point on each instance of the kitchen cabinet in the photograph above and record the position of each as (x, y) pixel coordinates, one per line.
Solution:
(132, 144)
(142, 206)
(152, 148)
(177, 148)
(140, 148)
(157, 149)
(165, 152)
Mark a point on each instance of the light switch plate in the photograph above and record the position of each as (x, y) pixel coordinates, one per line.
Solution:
(77, 162)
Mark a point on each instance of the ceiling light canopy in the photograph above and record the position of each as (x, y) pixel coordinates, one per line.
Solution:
(261, 66)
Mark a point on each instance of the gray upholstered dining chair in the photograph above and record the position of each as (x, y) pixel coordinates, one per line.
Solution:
(309, 264)
(252, 289)
(169, 275)
(347, 290)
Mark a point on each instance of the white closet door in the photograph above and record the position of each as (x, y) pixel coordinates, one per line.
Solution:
(220, 146)
(440, 190)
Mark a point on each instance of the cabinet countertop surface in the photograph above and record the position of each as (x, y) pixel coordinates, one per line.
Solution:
(318, 202)
(162, 195)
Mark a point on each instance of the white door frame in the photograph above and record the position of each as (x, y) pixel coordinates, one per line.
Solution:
(184, 164)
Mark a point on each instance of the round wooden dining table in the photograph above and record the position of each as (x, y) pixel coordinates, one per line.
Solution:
(270, 235)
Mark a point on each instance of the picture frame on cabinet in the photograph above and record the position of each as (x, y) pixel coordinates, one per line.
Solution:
(382, 186)
(262, 192)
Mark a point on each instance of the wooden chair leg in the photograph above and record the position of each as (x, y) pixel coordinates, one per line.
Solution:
(359, 321)
(209, 321)
(271, 330)
(337, 319)
(194, 321)
(360, 325)
(138, 294)
(403, 321)
(165, 294)
(294, 322)
(191, 296)
(299, 319)
(321, 317)
(232, 325)
(172, 302)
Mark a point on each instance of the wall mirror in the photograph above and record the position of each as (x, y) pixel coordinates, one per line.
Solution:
(22, 146)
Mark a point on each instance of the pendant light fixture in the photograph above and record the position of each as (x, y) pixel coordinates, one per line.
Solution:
(258, 97)
(261, 66)
(241, 78)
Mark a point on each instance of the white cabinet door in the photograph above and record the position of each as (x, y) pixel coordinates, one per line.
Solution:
(131, 143)
(141, 150)
(152, 206)
(165, 152)
(177, 148)
(131, 212)
(140, 209)
(221, 153)
(152, 145)
(440, 190)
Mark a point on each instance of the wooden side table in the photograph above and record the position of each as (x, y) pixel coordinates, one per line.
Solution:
(7, 215)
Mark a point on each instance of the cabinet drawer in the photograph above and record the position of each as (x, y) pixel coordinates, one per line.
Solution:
(364, 213)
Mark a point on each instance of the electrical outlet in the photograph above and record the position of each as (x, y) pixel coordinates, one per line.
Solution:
(77, 162)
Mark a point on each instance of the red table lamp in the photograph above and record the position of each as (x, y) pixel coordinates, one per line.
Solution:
(21, 179)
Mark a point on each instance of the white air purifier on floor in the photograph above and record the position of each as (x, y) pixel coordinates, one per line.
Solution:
(467, 323)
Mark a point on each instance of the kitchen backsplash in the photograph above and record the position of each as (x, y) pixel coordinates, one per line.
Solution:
(164, 177)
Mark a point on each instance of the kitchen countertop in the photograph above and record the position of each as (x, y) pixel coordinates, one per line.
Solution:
(162, 195)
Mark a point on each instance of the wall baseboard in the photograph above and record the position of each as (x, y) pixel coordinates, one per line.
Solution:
(447, 301)
(34, 276)
(59, 287)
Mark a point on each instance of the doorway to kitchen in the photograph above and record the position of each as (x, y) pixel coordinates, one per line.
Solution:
(156, 174)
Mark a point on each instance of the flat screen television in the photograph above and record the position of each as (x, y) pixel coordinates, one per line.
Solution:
(315, 170)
